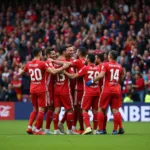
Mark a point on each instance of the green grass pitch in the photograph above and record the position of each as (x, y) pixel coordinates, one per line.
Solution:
(14, 137)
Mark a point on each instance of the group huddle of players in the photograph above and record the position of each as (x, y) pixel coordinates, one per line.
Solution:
(78, 82)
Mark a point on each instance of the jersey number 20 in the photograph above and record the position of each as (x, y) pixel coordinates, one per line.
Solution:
(35, 74)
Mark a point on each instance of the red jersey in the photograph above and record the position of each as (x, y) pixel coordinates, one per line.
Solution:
(113, 72)
(89, 73)
(37, 70)
(50, 79)
(101, 80)
(15, 83)
(79, 64)
(140, 83)
(62, 85)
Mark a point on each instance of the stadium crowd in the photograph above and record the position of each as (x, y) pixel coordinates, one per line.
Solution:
(123, 27)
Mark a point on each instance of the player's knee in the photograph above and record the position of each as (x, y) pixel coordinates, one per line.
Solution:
(94, 111)
(84, 110)
(102, 110)
(57, 110)
(114, 111)
(35, 109)
(42, 109)
(50, 108)
(70, 110)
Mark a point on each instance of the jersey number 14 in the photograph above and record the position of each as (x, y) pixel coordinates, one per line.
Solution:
(114, 74)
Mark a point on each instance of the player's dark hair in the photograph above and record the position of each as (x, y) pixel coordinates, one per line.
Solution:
(36, 51)
(61, 49)
(83, 51)
(49, 49)
(91, 57)
(113, 54)
(101, 56)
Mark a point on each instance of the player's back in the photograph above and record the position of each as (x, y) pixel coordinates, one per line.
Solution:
(50, 79)
(79, 64)
(62, 85)
(37, 72)
(113, 74)
(91, 72)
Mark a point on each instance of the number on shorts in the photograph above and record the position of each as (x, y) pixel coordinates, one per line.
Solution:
(35, 74)
(114, 75)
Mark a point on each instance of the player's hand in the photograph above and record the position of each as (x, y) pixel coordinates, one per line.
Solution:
(50, 59)
(65, 66)
(89, 83)
(20, 71)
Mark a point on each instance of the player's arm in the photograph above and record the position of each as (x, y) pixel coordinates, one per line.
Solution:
(101, 75)
(71, 75)
(76, 75)
(55, 71)
(61, 62)
(22, 70)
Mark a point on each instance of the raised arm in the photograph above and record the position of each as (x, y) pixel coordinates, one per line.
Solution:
(20, 72)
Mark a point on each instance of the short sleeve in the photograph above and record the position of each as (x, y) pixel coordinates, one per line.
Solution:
(82, 71)
(75, 63)
(25, 68)
(71, 70)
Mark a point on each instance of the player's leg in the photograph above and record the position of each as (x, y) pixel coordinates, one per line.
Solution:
(80, 115)
(42, 102)
(68, 105)
(57, 107)
(61, 123)
(94, 110)
(115, 105)
(33, 114)
(101, 116)
(85, 105)
(49, 113)
(75, 111)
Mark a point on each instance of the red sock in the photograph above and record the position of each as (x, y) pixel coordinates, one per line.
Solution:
(35, 124)
(69, 120)
(40, 119)
(120, 120)
(86, 119)
(49, 117)
(105, 122)
(64, 118)
(81, 121)
(100, 118)
(95, 121)
(32, 117)
(75, 117)
(55, 120)
(116, 120)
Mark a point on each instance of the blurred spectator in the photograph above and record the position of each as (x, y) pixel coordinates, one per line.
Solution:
(139, 86)
(147, 97)
(127, 82)
(3, 54)
(16, 84)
